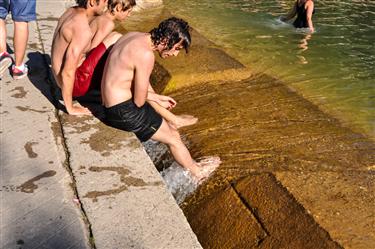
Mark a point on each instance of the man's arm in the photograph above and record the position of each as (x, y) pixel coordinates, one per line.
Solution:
(176, 121)
(164, 101)
(101, 28)
(143, 68)
(80, 39)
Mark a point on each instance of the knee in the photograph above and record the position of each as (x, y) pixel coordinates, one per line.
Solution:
(174, 138)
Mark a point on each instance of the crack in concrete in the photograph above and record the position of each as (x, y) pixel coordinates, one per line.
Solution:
(66, 163)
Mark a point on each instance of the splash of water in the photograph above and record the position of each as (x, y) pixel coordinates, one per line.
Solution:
(179, 181)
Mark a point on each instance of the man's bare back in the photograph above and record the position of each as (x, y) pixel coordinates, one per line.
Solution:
(74, 20)
(71, 41)
(120, 68)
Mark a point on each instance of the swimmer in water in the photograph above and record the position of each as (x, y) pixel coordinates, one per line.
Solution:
(304, 9)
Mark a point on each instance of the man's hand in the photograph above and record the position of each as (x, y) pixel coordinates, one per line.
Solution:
(78, 110)
(166, 102)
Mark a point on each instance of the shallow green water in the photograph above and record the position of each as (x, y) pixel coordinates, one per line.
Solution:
(333, 67)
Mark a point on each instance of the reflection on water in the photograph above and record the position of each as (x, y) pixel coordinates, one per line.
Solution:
(303, 45)
(334, 67)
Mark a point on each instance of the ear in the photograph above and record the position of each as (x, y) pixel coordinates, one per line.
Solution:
(118, 7)
(164, 42)
(92, 3)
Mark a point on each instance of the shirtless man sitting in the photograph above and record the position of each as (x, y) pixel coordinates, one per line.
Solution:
(130, 102)
(73, 56)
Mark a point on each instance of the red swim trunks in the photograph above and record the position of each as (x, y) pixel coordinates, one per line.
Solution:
(93, 64)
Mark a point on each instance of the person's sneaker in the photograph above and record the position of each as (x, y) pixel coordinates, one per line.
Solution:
(19, 72)
(5, 62)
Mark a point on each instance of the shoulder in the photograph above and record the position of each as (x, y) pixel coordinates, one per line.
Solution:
(309, 4)
(141, 55)
(106, 23)
(146, 56)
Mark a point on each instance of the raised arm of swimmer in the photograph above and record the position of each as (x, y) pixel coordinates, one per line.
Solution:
(309, 13)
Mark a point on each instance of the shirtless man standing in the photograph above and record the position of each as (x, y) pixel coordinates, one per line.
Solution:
(129, 99)
(72, 66)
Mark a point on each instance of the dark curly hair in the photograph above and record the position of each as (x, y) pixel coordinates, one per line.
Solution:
(172, 31)
(125, 4)
(83, 3)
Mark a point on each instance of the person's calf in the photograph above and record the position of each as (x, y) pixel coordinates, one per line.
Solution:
(21, 36)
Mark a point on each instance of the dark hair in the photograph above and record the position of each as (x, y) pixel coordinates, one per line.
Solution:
(83, 3)
(172, 31)
(125, 4)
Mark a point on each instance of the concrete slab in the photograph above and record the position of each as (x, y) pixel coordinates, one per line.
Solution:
(37, 208)
(131, 207)
(124, 196)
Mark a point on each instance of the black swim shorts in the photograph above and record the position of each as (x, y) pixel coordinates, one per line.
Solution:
(143, 121)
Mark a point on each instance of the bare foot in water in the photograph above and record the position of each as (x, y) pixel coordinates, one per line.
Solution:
(184, 120)
(206, 166)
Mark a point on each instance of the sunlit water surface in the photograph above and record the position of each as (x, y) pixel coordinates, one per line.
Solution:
(333, 67)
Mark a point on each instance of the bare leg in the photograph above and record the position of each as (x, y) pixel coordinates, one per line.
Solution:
(171, 137)
(3, 36)
(176, 121)
(21, 35)
(184, 120)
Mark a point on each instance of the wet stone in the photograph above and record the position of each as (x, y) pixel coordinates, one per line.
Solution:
(29, 149)
(29, 186)
(20, 92)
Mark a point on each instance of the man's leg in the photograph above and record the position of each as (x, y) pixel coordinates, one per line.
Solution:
(169, 136)
(21, 36)
(22, 13)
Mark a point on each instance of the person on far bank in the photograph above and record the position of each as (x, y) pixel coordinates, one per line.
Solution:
(73, 58)
(129, 100)
(22, 13)
(304, 9)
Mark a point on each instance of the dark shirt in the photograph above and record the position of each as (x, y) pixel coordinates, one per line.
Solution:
(301, 20)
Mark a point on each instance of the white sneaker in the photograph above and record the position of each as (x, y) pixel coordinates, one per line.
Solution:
(5, 62)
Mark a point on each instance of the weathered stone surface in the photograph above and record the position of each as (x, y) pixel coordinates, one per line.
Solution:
(279, 220)
(37, 208)
(223, 221)
(123, 194)
(258, 125)
(341, 202)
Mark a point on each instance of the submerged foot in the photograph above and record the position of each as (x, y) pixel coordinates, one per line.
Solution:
(206, 166)
(184, 120)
